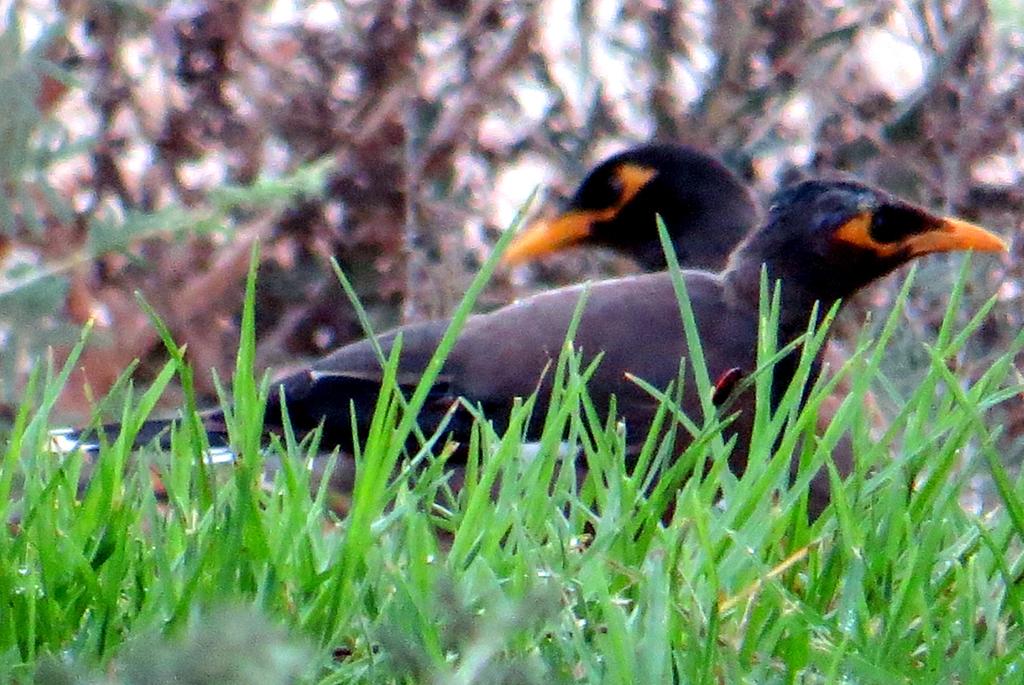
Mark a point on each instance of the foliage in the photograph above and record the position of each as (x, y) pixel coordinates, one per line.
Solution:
(531, 571)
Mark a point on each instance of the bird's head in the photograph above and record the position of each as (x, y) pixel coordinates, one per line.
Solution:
(706, 209)
(835, 237)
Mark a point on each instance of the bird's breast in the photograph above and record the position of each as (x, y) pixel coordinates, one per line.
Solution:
(634, 324)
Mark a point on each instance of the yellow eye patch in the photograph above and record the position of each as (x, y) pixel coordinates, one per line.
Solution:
(948, 235)
(857, 232)
(633, 177)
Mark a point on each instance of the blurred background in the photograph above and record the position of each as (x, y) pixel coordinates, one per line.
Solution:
(145, 145)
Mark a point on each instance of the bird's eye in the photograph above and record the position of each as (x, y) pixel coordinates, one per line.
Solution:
(616, 187)
(893, 224)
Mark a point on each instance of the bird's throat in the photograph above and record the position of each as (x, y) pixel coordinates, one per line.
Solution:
(797, 301)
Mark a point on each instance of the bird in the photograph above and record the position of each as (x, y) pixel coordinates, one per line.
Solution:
(822, 240)
(706, 208)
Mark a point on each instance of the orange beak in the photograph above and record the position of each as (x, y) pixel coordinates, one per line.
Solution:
(549, 235)
(954, 234)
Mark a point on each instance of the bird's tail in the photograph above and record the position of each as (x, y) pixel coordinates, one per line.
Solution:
(90, 440)
(338, 469)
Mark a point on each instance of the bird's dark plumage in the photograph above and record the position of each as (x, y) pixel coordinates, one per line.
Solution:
(823, 239)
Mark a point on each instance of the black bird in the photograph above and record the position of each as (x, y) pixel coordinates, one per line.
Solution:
(823, 240)
(707, 210)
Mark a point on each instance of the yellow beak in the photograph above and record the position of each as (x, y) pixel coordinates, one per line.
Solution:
(549, 235)
(955, 234)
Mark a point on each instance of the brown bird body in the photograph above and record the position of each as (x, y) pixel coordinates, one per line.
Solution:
(503, 354)
(822, 239)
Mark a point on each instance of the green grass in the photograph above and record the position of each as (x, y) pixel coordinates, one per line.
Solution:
(530, 573)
